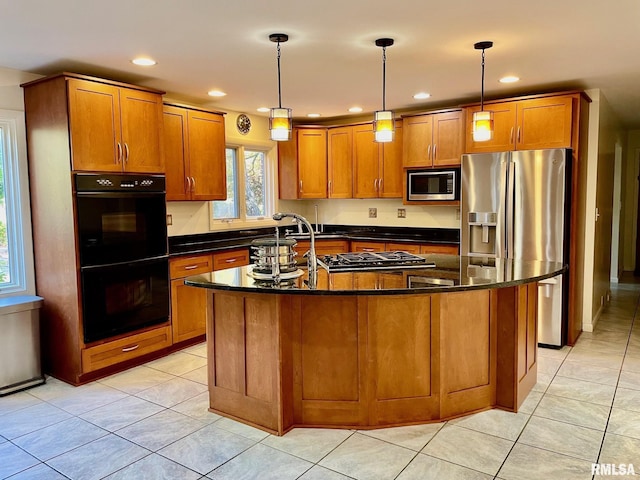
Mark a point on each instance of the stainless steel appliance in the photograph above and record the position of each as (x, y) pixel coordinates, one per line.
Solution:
(433, 184)
(515, 205)
(124, 261)
(347, 262)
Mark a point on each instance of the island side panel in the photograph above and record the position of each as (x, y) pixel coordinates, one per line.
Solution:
(403, 358)
(329, 362)
(468, 351)
(243, 358)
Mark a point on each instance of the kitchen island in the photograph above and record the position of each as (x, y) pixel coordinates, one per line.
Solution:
(369, 349)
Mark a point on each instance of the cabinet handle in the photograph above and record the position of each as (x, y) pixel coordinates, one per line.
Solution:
(193, 184)
(190, 267)
(429, 152)
(119, 154)
(188, 186)
(511, 135)
(130, 349)
(126, 152)
(379, 185)
(330, 187)
(368, 249)
(231, 260)
(518, 141)
(300, 186)
(375, 184)
(435, 150)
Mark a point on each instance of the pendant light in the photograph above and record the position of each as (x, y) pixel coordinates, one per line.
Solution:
(280, 121)
(383, 120)
(482, 120)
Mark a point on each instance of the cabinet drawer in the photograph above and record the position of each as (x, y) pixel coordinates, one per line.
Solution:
(193, 265)
(231, 258)
(403, 247)
(367, 246)
(444, 249)
(118, 351)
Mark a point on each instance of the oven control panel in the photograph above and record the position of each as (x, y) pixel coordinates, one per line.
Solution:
(106, 182)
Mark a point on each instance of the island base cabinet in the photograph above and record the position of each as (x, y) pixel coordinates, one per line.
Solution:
(278, 361)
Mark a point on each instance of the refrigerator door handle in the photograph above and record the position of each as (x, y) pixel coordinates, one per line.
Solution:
(510, 206)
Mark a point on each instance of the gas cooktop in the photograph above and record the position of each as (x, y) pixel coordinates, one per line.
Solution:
(347, 262)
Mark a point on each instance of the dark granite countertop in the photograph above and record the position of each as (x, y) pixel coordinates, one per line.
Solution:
(451, 273)
(210, 242)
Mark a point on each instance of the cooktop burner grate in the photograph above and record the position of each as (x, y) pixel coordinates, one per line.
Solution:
(372, 261)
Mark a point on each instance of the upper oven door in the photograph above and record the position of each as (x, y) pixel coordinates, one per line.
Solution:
(118, 227)
(433, 185)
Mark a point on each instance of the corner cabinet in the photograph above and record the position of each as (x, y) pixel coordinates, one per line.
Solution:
(302, 164)
(194, 144)
(527, 124)
(433, 140)
(377, 167)
(113, 128)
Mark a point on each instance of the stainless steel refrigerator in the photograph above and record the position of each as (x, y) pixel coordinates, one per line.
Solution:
(515, 205)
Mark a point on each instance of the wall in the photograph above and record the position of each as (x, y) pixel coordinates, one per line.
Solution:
(604, 134)
(629, 212)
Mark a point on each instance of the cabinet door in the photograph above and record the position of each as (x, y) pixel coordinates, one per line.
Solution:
(94, 118)
(312, 163)
(504, 123)
(447, 138)
(358, 246)
(340, 165)
(417, 140)
(176, 153)
(365, 162)
(544, 123)
(188, 311)
(207, 159)
(141, 117)
(390, 184)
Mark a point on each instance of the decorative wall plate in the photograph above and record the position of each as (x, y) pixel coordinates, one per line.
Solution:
(243, 123)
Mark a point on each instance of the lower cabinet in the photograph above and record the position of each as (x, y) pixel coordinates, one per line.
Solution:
(323, 247)
(189, 304)
(415, 248)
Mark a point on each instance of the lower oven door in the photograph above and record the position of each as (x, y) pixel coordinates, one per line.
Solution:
(124, 297)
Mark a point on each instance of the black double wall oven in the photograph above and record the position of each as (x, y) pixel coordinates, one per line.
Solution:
(124, 261)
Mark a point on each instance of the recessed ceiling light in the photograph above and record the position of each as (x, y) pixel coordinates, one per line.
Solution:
(144, 61)
(264, 109)
(355, 109)
(216, 93)
(422, 95)
(509, 79)
(313, 115)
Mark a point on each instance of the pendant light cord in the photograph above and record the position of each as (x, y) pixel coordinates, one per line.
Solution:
(482, 85)
(279, 88)
(384, 76)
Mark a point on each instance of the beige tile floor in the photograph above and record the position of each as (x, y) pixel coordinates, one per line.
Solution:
(152, 422)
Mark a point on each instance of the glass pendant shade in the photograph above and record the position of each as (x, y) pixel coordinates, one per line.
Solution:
(383, 126)
(482, 126)
(280, 123)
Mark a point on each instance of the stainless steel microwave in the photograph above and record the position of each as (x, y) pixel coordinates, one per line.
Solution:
(433, 184)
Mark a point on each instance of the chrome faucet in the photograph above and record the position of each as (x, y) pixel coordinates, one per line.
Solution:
(312, 264)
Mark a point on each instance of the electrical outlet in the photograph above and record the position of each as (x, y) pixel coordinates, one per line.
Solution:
(169, 219)
(373, 213)
(402, 213)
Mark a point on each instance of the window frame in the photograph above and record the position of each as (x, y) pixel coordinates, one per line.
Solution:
(271, 176)
(17, 204)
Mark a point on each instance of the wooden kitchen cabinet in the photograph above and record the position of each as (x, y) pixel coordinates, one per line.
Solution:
(527, 124)
(194, 143)
(367, 246)
(302, 164)
(340, 162)
(377, 167)
(188, 304)
(114, 128)
(433, 140)
(237, 257)
(414, 248)
(323, 247)
(404, 247)
(441, 249)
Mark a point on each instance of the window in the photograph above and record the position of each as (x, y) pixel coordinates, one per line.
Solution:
(14, 208)
(250, 189)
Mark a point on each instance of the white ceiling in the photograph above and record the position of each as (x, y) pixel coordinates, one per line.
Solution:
(330, 62)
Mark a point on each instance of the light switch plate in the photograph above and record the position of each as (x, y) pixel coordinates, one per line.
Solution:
(169, 219)
(373, 213)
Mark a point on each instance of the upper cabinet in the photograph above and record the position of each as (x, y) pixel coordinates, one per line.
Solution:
(194, 145)
(433, 140)
(340, 162)
(302, 164)
(377, 167)
(527, 124)
(114, 128)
